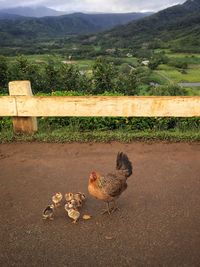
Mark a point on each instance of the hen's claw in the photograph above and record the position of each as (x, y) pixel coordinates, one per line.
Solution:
(107, 210)
(114, 208)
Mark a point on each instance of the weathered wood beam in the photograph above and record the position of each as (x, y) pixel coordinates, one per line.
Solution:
(115, 106)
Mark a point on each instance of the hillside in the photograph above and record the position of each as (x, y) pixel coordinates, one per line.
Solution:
(178, 26)
(60, 26)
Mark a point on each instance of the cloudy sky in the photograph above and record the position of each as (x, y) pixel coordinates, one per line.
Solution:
(95, 5)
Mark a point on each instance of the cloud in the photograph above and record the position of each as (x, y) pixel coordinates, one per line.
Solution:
(95, 5)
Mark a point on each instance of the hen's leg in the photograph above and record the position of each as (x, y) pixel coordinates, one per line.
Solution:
(114, 207)
(107, 210)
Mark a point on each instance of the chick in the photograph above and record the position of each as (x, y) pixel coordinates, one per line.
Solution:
(75, 199)
(80, 196)
(57, 198)
(77, 203)
(72, 213)
(69, 196)
(48, 212)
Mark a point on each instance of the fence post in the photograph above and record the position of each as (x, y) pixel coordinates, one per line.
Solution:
(27, 125)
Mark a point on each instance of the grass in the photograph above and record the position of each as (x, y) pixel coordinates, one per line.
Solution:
(195, 91)
(65, 135)
(174, 74)
(186, 57)
(156, 77)
(39, 58)
(192, 75)
(84, 64)
(130, 60)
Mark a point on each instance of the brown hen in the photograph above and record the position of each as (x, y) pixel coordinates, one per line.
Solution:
(109, 187)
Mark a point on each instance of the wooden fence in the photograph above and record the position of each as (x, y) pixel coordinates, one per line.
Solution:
(24, 107)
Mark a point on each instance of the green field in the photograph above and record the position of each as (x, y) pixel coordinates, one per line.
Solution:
(192, 75)
(163, 74)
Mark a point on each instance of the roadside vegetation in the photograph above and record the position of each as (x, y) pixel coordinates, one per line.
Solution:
(105, 129)
(105, 75)
(123, 71)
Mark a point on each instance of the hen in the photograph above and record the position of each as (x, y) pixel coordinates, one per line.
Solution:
(109, 187)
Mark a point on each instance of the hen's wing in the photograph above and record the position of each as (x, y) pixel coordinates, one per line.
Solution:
(113, 186)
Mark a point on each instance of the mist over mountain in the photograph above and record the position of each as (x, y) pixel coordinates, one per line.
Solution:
(31, 11)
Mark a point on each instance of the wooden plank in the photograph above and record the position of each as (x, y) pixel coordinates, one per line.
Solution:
(7, 106)
(108, 106)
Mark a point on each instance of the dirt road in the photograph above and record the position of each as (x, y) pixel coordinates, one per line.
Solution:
(159, 219)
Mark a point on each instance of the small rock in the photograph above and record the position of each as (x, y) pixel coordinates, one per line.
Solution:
(108, 237)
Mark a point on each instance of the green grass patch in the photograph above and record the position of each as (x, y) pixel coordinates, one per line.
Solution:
(130, 60)
(94, 129)
(194, 91)
(84, 64)
(157, 78)
(64, 135)
(165, 67)
(191, 75)
(185, 56)
(39, 59)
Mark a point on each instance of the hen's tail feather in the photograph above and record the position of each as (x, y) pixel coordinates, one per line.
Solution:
(123, 163)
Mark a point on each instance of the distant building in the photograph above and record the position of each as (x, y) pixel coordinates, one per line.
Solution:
(145, 62)
(129, 55)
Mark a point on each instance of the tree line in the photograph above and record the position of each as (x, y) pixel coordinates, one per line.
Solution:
(104, 77)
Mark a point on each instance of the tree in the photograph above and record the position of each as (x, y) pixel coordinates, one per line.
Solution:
(19, 70)
(103, 76)
(72, 79)
(22, 69)
(51, 77)
(129, 84)
(3, 72)
(153, 64)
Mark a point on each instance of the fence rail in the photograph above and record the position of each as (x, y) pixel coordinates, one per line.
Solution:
(106, 106)
(24, 107)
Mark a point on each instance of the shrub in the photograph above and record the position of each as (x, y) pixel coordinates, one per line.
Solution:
(168, 90)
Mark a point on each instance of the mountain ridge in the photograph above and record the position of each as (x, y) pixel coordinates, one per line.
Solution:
(60, 26)
(179, 21)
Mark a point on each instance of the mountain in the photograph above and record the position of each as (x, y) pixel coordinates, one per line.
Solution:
(34, 11)
(178, 25)
(61, 26)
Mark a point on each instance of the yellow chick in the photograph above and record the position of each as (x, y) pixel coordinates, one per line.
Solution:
(72, 213)
(57, 198)
(48, 212)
